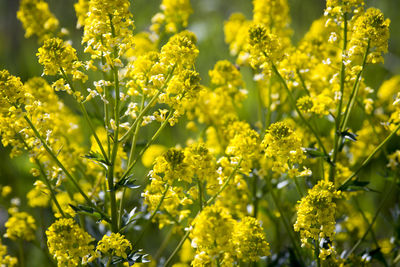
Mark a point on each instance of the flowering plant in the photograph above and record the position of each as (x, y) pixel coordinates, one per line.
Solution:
(281, 190)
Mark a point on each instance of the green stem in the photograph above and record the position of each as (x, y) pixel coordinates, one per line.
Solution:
(381, 205)
(148, 106)
(289, 229)
(368, 159)
(67, 173)
(332, 169)
(303, 82)
(293, 103)
(87, 118)
(296, 181)
(153, 214)
(131, 153)
(316, 252)
(199, 185)
(45, 179)
(222, 188)
(354, 92)
(178, 247)
(153, 138)
(21, 253)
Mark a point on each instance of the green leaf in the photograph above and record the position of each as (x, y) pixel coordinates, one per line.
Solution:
(97, 157)
(356, 185)
(127, 182)
(314, 153)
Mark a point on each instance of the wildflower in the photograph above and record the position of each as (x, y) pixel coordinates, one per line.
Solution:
(68, 243)
(114, 245)
(274, 15)
(264, 48)
(6, 260)
(81, 9)
(175, 15)
(249, 240)
(38, 196)
(108, 30)
(37, 19)
(180, 50)
(11, 90)
(20, 225)
(283, 145)
(370, 29)
(209, 235)
(316, 213)
(55, 54)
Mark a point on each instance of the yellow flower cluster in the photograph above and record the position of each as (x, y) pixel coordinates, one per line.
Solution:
(174, 17)
(37, 19)
(68, 243)
(114, 244)
(6, 260)
(39, 195)
(218, 237)
(108, 30)
(316, 214)
(20, 225)
(283, 145)
(370, 31)
(59, 57)
(264, 48)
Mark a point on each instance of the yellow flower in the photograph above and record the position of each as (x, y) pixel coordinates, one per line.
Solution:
(68, 243)
(316, 214)
(249, 240)
(152, 153)
(6, 260)
(114, 245)
(37, 19)
(38, 196)
(174, 17)
(20, 225)
(55, 54)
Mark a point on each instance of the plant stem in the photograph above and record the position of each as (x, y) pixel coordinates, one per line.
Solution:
(354, 92)
(336, 141)
(199, 185)
(153, 138)
(222, 188)
(67, 173)
(131, 153)
(168, 262)
(45, 179)
(368, 159)
(87, 118)
(148, 106)
(296, 181)
(153, 213)
(293, 103)
(385, 198)
(21, 253)
(289, 230)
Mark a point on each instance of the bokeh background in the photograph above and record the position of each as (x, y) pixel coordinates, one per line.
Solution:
(18, 55)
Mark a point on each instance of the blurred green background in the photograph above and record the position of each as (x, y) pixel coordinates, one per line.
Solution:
(17, 54)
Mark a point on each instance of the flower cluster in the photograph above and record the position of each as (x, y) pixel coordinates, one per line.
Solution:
(6, 260)
(283, 145)
(68, 243)
(316, 214)
(212, 243)
(114, 244)
(20, 225)
(37, 19)
(174, 16)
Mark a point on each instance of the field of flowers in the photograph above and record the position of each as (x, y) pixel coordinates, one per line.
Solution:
(134, 137)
